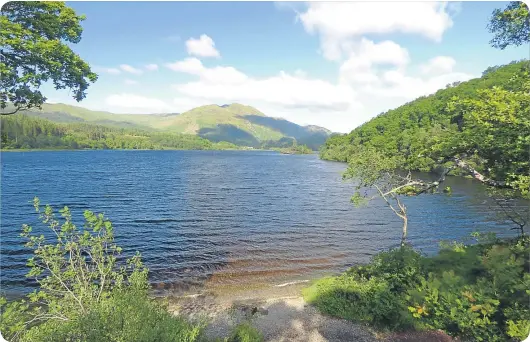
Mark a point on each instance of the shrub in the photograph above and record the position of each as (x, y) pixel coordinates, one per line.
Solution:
(359, 299)
(400, 268)
(245, 332)
(477, 292)
(124, 316)
(446, 302)
(84, 292)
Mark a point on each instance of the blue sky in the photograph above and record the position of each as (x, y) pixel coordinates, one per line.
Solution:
(330, 64)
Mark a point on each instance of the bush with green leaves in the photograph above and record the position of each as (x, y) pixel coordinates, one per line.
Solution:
(447, 302)
(359, 299)
(245, 332)
(85, 292)
(478, 292)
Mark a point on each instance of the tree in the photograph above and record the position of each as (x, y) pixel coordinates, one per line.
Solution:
(371, 169)
(33, 39)
(495, 131)
(511, 26)
(81, 268)
(496, 126)
(489, 129)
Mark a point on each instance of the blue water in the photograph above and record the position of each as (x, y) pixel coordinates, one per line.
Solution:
(206, 217)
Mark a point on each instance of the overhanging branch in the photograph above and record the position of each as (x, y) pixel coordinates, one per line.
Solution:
(477, 175)
(15, 111)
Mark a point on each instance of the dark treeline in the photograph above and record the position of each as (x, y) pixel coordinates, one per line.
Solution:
(23, 132)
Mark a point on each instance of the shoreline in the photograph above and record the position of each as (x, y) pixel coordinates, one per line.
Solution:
(279, 312)
(139, 149)
(124, 149)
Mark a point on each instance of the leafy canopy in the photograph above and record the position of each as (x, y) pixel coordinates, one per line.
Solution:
(510, 26)
(484, 123)
(34, 37)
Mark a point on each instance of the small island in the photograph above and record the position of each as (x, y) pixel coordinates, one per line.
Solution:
(295, 149)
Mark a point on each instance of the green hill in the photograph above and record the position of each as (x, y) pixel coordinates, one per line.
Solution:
(486, 119)
(406, 129)
(234, 123)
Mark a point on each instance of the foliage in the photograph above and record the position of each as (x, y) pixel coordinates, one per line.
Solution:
(235, 123)
(124, 316)
(337, 147)
(477, 292)
(245, 332)
(370, 168)
(13, 318)
(188, 125)
(496, 127)
(295, 149)
(23, 132)
(359, 299)
(35, 38)
(458, 122)
(86, 290)
(511, 26)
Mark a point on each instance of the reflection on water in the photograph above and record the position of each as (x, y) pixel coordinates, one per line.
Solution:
(231, 217)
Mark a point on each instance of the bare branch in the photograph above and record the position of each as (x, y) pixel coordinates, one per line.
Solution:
(478, 176)
(15, 111)
(387, 202)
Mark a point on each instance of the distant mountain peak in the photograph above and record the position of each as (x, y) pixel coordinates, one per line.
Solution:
(237, 123)
(315, 128)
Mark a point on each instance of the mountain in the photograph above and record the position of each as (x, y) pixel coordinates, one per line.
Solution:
(234, 123)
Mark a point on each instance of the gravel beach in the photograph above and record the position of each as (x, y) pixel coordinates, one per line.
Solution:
(281, 314)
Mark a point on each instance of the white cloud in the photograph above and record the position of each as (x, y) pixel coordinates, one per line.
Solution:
(189, 65)
(136, 103)
(218, 74)
(373, 75)
(184, 103)
(130, 69)
(397, 84)
(337, 23)
(438, 65)
(381, 68)
(112, 71)
(373, 79)
(365, 55)
(130, 82)
(381, 89)
(202, 47)
(227, 84)
(151, 67)
(300, 73)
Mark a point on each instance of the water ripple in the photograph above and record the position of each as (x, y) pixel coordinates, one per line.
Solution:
(208, 218)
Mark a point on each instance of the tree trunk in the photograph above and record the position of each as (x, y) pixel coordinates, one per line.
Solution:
(404, 236)
(478, 176)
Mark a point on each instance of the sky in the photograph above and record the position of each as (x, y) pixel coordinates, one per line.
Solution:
(334, 65)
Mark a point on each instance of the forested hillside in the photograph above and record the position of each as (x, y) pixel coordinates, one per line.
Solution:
(23, 132)
(235, 123)
(484, 121)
